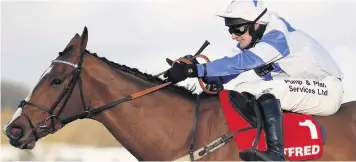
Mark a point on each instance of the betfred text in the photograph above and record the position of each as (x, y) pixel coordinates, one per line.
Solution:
(302, 151)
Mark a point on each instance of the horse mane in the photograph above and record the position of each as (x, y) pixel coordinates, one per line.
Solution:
(182, 90)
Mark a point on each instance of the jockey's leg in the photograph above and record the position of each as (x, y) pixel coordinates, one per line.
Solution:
(273, 119)
(273, 127)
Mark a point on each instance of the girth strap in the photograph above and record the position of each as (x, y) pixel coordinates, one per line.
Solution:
(193, 133)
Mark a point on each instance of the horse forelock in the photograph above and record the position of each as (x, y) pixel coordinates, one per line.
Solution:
(150, 78)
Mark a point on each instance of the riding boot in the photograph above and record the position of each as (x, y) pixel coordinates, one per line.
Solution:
(273, 127)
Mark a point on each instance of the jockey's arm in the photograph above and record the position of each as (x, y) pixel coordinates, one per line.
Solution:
(272, 46)
(219, 79)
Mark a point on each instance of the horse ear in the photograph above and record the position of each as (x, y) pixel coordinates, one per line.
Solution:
(74, 41)
(84, 38)
(169, 61)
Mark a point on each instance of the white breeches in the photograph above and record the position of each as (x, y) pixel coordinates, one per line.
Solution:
(304, 96)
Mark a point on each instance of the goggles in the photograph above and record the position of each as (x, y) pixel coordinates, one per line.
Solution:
(238, 29)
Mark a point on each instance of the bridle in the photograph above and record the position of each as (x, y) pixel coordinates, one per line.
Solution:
(66, 94)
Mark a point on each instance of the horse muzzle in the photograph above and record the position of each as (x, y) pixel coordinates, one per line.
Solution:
(16, 136)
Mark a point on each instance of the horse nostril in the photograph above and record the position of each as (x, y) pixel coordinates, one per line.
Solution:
(14, 133)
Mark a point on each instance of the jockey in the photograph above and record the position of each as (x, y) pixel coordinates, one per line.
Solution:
(297, 74)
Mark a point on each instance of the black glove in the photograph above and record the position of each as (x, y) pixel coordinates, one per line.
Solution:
(181, 71)
(214, 87)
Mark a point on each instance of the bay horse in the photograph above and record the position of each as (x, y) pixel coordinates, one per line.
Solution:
(150, 117)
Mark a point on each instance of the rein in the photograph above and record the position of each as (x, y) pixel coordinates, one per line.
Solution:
(108, 106)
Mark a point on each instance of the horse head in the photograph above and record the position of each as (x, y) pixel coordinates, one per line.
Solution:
(54, 99)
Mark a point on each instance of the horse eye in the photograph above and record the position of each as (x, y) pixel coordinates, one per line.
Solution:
(56, 81)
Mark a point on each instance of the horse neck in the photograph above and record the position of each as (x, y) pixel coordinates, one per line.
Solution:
(154, 126)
